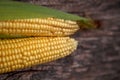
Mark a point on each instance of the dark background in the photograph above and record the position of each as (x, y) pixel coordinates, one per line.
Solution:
(98, 54)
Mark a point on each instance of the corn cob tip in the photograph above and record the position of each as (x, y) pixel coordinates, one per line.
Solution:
(86, 24)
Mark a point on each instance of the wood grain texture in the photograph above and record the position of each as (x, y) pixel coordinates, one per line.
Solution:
(98, 54)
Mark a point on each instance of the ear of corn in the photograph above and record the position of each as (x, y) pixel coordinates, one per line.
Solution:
(38, 27)
(12, 10)
(25, 52)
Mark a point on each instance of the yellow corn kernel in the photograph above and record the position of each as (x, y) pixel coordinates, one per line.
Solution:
(25, 52)
(38, 27)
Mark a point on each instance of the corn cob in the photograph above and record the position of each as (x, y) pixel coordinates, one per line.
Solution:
(25, 52)
(38, 27)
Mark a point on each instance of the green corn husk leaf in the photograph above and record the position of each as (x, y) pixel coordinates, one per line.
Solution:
(5, 36)
(18, 10)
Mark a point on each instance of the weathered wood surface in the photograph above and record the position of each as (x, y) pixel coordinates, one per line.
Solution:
(98, 54)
